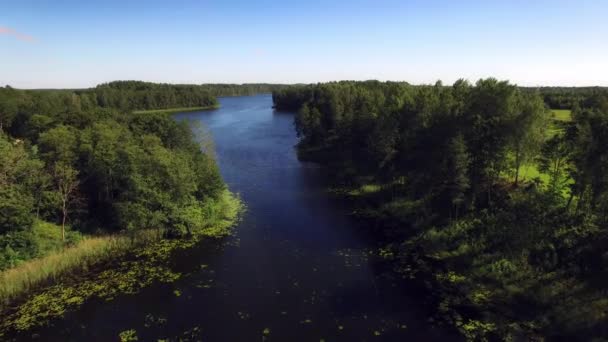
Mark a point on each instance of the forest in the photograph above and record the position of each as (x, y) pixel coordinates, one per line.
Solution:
(131, 95)
(567, 98)
(493, 197)
(138, 95)
(249, 89)
(74, 164)
(494, 201)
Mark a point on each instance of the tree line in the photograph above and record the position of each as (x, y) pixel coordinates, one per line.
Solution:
(131, 95)
(568, 98)
(72, 159)
(248, 89)
(479, 188)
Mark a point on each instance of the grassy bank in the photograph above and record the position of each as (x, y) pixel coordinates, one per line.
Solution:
(480, 285)
(79, 258)
(41, 290)
(176, 110)
(42, 239)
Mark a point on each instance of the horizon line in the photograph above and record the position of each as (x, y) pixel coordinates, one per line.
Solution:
(309, 83)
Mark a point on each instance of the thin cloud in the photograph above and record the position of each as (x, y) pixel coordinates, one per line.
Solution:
(21, 36)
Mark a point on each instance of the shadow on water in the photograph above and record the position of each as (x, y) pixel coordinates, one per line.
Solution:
(298, 268)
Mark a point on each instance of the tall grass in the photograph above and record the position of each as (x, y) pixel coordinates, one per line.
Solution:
(89, 251)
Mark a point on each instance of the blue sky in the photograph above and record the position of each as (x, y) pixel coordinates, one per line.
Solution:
(57, 44)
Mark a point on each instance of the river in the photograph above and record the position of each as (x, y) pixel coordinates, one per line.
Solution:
(298, 268)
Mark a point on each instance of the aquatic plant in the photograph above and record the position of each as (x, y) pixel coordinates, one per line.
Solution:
(146, 264)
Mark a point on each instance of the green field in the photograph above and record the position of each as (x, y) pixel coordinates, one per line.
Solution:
(562, 114)
(530, 171)
(174, 110)
(559, 116)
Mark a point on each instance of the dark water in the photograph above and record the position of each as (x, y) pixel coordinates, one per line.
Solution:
(298, 266)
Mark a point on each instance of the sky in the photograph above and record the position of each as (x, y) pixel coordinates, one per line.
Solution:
(77, 44)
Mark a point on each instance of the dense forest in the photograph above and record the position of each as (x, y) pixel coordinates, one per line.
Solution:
(140, 96)
(222, 89)
(130, 95)
(497, 203)
(555, 97)
(70, 164)
(568, 98)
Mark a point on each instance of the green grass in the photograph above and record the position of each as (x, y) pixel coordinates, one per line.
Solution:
(559, 116)
(530, 171)
(48, 237)
(562, 114)
(175, 110)
(29, 275)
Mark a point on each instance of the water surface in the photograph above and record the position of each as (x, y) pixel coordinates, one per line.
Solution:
(298, 268)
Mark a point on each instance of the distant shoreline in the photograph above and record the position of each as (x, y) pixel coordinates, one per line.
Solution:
(176, 110)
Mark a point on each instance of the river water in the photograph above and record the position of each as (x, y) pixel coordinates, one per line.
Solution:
(297, 269)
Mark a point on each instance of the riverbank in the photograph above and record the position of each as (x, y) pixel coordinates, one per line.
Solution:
(176, 110)
(483, 292)
(104, 267)
(20, 280)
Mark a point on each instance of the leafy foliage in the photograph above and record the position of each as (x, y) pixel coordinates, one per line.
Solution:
(509, 257)
(83, 160)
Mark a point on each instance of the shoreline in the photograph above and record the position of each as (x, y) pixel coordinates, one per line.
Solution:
(176, 110)
(136, 263)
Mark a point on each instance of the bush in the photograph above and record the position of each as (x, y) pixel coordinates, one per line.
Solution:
(15, 210)
(17, 246)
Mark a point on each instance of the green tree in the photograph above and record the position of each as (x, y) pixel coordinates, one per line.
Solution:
(20, 173)
(589, 137)
(15, 209)
(528, 131)
(59, 145)
(8, 106)
(493, 105)
(553, 160)
(458, 182)
(66, 184)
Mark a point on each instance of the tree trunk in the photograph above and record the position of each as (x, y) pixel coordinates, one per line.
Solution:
(581, 198)
(517, 166)
(555, 175)
(65, 214)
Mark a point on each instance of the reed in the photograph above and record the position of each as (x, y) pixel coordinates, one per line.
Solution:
(78, 258)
